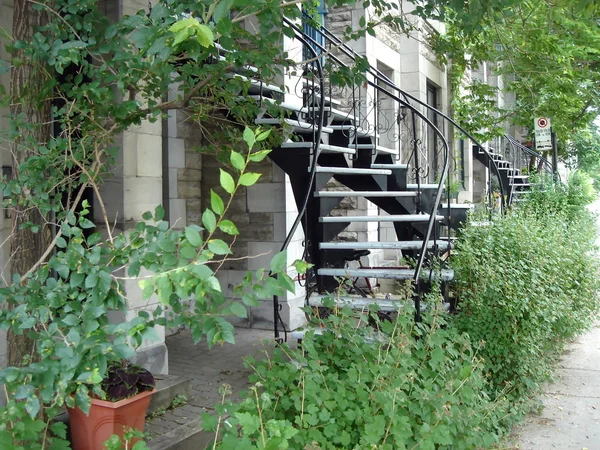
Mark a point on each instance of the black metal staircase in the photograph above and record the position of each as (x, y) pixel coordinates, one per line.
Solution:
(393, 154)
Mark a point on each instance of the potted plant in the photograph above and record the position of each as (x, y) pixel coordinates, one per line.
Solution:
(128, 388)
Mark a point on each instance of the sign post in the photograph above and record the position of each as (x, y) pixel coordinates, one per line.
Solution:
(543, 134)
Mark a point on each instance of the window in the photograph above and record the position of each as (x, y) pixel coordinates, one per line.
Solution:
(313, 33)
(432, 137)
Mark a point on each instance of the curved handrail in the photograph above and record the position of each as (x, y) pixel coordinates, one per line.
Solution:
(313, 172)
(517, 145)
(405, 103)
(381, 77)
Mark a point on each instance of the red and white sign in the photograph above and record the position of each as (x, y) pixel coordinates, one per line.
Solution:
(543, 133)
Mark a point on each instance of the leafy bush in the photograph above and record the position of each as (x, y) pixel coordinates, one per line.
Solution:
(526, 284)
(412, 385)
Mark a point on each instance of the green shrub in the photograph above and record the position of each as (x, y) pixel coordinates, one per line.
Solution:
(411, 386)
(526, 284)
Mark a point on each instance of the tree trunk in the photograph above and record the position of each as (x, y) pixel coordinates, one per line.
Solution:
(26, 247)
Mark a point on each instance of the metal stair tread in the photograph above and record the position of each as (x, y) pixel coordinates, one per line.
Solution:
(385, 273)
(330, 100)
(354, 129)
(391, 218)
(423, 186)
(359, 302)
(365, 194)
(261, 85)
(457, 205)
(284, 105)
(299, 126)
(352, 171)
(389, 166)
(336, 113)
(325, 148)
(378, 245)
(377, 148)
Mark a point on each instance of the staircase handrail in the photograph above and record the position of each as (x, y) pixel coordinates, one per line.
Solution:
(518, 145)
(313, 172)
(381, 77)
(405, 103)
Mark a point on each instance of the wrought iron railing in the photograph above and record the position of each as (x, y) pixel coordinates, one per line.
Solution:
(525, 159)
(413, 130)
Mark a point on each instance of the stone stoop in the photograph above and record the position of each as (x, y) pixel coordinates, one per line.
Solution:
(167, 388)
(189, 436)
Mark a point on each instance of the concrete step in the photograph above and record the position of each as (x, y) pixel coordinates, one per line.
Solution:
(167, 388)
(365, 194)
(189, 436)
(393, 245)
(394, 218)
(392, 274)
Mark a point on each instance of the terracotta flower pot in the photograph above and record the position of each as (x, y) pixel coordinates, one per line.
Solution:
(105, 419)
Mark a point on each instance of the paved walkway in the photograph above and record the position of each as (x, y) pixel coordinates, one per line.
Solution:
(208, 370)
(570, 419)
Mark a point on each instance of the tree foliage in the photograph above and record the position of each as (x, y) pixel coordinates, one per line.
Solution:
(547, 54)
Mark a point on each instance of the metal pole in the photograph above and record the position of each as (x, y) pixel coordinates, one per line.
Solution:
(554, 155)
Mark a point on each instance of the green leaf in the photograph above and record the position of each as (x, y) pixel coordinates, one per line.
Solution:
(222, 9)
(209, 220)
(238, 309)
(216, 203)
(205, 36)
(279, 262)
(193, 237)
(201, 271)
(147, 215)
(59, 429)
(261, 136)
(164, 289)
(250, 423)
(208, 422)
(181, 36)
(32, 406)
(189, 22)
(249, 137)
(237, 161)
(301, 266)
(91, 280)
(71, 320)
(227, 182)
(259, 156)
(159, 213)
(83, 399)
(227, 226)
(24, 391)
(60, 242)
(218, 247)
(249, 178)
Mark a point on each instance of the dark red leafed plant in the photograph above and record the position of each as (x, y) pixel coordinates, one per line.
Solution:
(125, 380)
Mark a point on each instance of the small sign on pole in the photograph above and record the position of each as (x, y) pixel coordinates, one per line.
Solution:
(543, 134)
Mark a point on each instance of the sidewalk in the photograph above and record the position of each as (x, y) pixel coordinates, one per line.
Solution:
(208, 370)
(570, 419)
